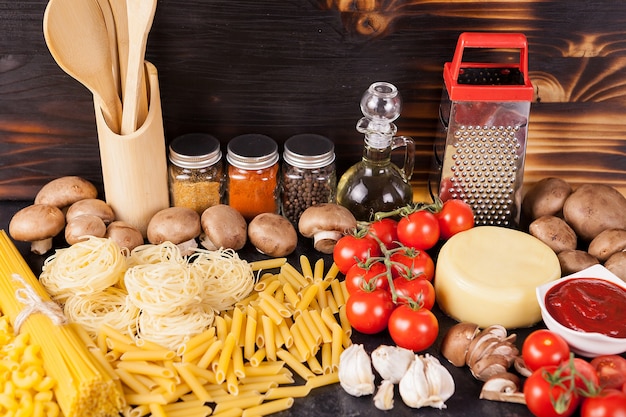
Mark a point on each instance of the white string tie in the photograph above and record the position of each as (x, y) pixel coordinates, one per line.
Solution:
(33, 304)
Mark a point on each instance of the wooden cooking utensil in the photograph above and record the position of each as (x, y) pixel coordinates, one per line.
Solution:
(140, 16)
(76, 35)
(109, 22)
(118, 8)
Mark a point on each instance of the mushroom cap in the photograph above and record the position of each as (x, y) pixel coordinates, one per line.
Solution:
(124, 234)
(174, 224)
(36, 222)
(64, 191)
(456, 342)
(92, 206)
(224, 227)
(272, 234)
(325, 217)
(81, 227)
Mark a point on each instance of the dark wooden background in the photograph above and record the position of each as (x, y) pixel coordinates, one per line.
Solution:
(284, 67)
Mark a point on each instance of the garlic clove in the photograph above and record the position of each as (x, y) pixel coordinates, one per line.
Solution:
(440, 381)
(383, 400)
(355, 371)
(392, 362)
(426, 383)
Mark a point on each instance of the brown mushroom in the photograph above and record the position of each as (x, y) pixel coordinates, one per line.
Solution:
(178, 225)
(37, 224)
(489, 365)
(223, 227)
(272, 234)
(64, 191)
(503, 387)
(124, 234)
(456, 341)
(92, 206)
(326, 223)
(83, 226)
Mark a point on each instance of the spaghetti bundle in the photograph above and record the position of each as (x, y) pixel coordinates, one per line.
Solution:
(83, 386)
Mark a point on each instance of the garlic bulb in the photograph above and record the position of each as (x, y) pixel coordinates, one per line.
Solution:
(391, 362)
(426, 383)
(383, 400)
(355, 371)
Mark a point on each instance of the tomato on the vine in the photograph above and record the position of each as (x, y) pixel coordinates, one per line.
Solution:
(586, 377)
(369, 311)
(547, 398)
(412, 263)
(385, 230)
(611, 371)
(361, 275)
(418, 290)
(455, 216)
(350, 249)
(419, 230)
(543, 348)
(413, 328)
(610, 403)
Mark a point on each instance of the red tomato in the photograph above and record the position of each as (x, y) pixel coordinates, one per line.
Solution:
(543, 348)
(350, 249)
(412, 263)
(360, 276)
(611, 371)
(369, 311)
(417, 290)
(414, 329)
(419, 230)
(385, 230)
(610, 403)
(587, 381)
(548, 399)
(455, 216)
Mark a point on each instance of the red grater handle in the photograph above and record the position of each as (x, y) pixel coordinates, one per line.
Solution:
(491, 41)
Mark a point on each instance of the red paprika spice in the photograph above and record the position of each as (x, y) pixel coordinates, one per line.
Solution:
(253, 180)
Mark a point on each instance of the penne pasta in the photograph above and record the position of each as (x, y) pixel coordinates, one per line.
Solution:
(298, 391)
(295, 364)
(225, 358)
(269, 407)
(270, 341)
(267, 264)
(305, 266)
(194, 383)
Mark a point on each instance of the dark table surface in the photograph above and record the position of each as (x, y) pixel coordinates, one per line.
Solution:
(332, 400)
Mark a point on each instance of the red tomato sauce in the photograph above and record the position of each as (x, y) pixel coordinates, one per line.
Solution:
(589, 305)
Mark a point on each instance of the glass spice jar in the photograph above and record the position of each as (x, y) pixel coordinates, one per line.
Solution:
(196, 173)
(253, 178)
(308, 174)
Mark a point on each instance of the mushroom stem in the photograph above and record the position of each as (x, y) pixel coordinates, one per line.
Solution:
(41, 246)
(325, 240)
(187, 247)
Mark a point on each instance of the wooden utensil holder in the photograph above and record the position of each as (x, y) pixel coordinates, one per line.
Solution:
(134, 166)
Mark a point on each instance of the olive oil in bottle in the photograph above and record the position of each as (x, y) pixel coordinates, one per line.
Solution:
(375, 183)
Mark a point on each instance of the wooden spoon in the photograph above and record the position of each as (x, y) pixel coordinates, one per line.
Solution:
(76, 35)
(140, 16)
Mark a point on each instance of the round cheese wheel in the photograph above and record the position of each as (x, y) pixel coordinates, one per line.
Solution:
(488, 275)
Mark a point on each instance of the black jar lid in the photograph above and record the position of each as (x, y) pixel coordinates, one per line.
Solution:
(308, 150)
(195, 150)
(252, 151)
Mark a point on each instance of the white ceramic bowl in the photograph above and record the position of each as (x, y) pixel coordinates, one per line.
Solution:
(586, 344)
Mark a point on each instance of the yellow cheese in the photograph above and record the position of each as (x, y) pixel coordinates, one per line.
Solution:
(488, 275)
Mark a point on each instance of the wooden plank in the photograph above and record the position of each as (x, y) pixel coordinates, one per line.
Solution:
(283, 68)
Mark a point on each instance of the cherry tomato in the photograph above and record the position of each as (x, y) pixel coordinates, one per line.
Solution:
(385, 230)
(414, 329)
(412, 263)
(586, 378)
(455, 216)
(350, 249)
(546, 399)
(361, 275)
(369, 311)
(419, 230)
(611, 371)
(418, 290)
(544, 347)
(610, 403)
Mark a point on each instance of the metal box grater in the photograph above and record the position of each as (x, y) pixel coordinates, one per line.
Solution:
(481, 141)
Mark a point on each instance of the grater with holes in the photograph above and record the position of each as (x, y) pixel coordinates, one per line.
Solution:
(480, 147)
